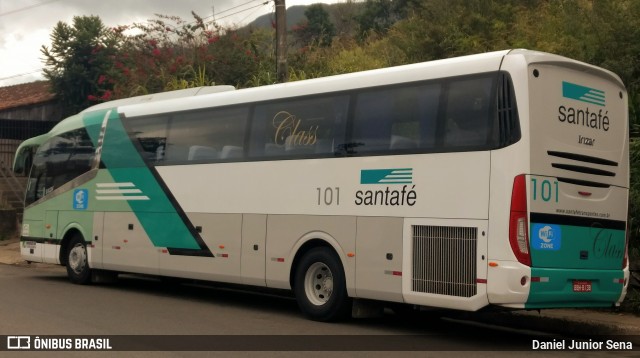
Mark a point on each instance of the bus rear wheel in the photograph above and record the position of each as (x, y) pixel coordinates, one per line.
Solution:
(78, 269)
(320, 286)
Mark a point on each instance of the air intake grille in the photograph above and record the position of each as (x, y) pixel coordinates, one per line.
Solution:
(444, 260)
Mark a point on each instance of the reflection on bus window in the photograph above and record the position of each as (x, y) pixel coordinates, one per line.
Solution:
(58, 161)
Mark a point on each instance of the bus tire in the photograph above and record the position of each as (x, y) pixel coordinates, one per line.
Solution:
(320, 286)
(78, 269)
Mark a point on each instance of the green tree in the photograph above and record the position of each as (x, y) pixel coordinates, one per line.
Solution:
(75, 64)
(345, 17)
(379, 16)
(435, 29)
(318, 29)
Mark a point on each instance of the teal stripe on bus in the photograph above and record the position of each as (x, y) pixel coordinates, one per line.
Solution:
(158, 216)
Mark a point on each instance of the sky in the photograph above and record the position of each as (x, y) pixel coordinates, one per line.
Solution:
(26, 25)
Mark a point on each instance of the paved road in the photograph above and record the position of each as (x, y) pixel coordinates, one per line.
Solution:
(40, 301)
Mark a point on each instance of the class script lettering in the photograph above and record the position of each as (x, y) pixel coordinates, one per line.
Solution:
(287, 125)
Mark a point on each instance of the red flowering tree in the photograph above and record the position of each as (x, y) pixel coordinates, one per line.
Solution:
(88, 63)
(168, 53)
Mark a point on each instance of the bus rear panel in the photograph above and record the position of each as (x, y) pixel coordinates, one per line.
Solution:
(568, 213)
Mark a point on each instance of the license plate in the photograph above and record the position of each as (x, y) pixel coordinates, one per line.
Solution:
(581, 286)
(30, 244)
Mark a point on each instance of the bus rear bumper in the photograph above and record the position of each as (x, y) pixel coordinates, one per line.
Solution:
(511, 284)
(508, 283)
(576, 288)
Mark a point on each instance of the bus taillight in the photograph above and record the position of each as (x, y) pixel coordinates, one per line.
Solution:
(518, 223)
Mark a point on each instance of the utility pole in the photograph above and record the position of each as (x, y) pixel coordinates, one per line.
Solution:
(281, 41)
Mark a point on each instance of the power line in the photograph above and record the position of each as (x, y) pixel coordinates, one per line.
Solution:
(231, 8)
(247, 9)
(214, 16)
(20, 75)
(253, 12)
(27, 7)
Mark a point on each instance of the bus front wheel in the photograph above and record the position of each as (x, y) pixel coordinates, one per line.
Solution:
(77, 263)
(320, 286)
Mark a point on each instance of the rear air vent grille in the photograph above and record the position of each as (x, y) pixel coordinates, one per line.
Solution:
(583, 182)
(581, 169)
(582, 158)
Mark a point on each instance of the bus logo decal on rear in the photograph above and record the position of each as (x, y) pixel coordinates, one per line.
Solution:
(546, 237)
(583, 93)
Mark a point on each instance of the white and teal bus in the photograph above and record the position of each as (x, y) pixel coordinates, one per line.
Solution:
(494, 179)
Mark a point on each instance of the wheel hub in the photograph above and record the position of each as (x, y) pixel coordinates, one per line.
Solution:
(77, 258)
(318, 283)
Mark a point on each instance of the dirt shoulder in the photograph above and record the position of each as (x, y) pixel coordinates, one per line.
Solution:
(10, 252)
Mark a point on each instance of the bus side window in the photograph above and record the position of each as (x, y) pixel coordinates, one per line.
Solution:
(151, 133)
(299, 127)
(468, 112)
(427, 113)
(207, 136)
(396, 119)
(373, 120)
(58, 161)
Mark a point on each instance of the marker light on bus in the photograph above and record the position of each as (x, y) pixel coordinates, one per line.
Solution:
(518, 223)
(539, 279)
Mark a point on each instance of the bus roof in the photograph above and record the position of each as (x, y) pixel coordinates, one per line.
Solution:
(76, 121)
(161, 96)
(34, 140)
(537, 57)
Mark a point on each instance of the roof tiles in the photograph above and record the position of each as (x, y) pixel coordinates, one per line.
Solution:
(25, 94)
